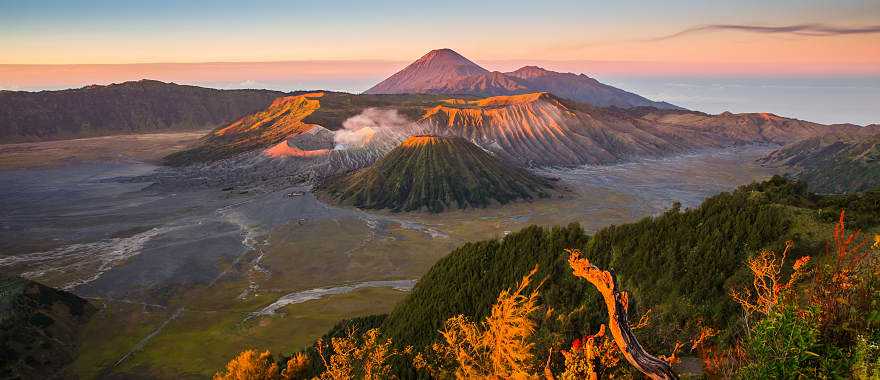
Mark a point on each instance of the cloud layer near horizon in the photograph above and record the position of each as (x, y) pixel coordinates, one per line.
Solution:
(813, 30)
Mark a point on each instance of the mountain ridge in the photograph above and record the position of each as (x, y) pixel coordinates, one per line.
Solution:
(129, 107)
(443, 71)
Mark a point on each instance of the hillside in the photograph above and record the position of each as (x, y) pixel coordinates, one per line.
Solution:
(443, 71)
(39, 328)
(833, 163)
(131, 107)
(755, 127)
(541, 129)
(435, 173)
(680, 265)
(662, 261)
(678, 270)
(292, 115)
(581, 88)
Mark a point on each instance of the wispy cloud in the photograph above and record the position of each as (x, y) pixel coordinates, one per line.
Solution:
(816, 30)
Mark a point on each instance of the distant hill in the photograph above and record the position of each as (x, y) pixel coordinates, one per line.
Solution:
(39, 329)
(435, 173)
(833, 163)
(757, 127)
(443, 71)
(131, 107)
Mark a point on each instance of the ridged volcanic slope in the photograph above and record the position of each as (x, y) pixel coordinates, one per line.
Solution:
(435, 173)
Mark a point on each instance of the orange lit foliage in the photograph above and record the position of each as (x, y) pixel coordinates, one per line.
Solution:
(769, 289)
(296, 367)
(721, 363)
(499, 347)
(842, 289)
(591, 356)
(354, 358)
(250, 365)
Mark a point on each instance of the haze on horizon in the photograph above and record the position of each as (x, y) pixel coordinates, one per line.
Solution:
(694, 47)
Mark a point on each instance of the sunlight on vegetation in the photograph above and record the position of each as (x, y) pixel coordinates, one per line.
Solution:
(802, 316)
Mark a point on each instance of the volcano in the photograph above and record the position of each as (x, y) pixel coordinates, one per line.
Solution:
(434, 173)
(444, 71)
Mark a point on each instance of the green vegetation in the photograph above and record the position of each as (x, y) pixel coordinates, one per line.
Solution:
(680, 264)
(688, 267)
(834, 164)
(435, 173)
(783, 345)
(862, 208)
(38, 328)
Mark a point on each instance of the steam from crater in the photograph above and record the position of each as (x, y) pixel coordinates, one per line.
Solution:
(361, 129)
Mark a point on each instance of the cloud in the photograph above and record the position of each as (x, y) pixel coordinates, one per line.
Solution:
(815, 30)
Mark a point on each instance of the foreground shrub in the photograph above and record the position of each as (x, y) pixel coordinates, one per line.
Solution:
(500, 346)
(782, 346)
(250, 365)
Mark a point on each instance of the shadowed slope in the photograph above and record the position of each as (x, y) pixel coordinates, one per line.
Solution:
(39, 328)
(132, 107)
(435, 173)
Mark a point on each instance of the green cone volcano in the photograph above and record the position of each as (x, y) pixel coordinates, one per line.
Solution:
(436, 173)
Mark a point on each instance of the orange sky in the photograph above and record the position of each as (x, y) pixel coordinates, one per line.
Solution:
(351, 43)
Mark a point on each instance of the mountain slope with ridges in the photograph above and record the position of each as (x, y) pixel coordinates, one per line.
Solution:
(435, 173)
(540, 129)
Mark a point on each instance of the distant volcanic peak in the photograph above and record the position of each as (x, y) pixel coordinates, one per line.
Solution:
(422, 140)
(448, 57)
(439, 69)
(527, 72)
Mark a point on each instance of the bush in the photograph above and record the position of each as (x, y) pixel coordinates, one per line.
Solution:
(782, 346)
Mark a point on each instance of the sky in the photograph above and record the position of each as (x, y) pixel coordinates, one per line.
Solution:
(350, 45)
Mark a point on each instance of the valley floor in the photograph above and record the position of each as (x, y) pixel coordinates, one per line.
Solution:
(186, 279)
